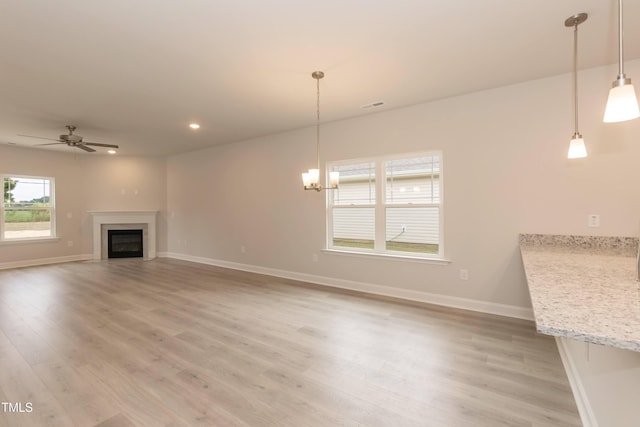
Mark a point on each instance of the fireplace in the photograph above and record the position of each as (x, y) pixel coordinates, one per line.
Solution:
(125, 243)
(103, 221)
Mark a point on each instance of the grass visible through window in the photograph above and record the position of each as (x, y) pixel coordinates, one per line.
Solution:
(353, 243)
(27, 216)
(425, 248)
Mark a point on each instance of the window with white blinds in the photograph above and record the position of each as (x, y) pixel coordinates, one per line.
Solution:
(388, 205)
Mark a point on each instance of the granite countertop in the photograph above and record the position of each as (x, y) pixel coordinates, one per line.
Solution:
(584, 287)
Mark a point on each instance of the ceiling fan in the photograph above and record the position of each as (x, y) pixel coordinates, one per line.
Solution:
(73, 140)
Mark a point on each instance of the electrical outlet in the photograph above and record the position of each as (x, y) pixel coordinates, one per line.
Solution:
(464, 274)
(314, 258)
(243, 249)
(594, 220)
(404, 228)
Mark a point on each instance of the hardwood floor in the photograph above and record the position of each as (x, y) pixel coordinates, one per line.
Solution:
(171, 343)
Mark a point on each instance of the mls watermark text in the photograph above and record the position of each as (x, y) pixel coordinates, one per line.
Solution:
(16, 407)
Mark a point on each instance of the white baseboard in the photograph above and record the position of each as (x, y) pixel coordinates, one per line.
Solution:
(582, 400)
(44, 261)
(406, 294)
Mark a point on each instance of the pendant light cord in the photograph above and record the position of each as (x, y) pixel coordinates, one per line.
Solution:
(575, 77)
(574, 21)
(318, 122)
(620, 60)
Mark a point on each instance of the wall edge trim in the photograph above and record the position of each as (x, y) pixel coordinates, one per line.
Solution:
(585, 409)
(44, 261)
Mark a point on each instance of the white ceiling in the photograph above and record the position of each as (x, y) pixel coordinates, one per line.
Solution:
(136, 73)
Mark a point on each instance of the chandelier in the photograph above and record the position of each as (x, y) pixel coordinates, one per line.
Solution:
(311, 179)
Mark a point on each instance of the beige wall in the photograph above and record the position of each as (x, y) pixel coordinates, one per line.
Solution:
(505, 172)
(85, 182)
(608, 380)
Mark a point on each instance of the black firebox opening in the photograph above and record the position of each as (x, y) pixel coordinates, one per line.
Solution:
(125, 244)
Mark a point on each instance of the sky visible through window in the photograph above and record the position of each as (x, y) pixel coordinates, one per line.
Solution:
(29, 189)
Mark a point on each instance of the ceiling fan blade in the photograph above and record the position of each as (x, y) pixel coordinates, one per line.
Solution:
(40, 137)
(51, 143)
(82, 147)
(101, 145)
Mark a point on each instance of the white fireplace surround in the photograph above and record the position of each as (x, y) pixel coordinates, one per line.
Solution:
(109, 220)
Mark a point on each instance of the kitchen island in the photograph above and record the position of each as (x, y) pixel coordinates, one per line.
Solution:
(584, 287)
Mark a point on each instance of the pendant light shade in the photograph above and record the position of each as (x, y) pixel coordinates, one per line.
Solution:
(311, 179)
(577, 149)
(622, 104)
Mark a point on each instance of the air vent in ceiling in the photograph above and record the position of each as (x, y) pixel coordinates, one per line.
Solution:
(372, 105)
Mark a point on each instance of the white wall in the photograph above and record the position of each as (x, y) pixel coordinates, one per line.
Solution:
(505, 172)
(84, 182)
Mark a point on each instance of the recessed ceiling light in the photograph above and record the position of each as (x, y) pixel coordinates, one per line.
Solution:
(111, 151)
(194, 126)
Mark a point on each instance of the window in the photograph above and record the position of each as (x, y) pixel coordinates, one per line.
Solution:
(390, 205)
(28, 208)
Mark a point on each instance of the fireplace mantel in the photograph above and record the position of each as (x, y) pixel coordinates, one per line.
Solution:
(101, 218)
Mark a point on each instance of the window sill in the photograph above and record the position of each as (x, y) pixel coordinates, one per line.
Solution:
(395, 257)
(29, 241)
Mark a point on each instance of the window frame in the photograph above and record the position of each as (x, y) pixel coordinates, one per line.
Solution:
(380, 206)
(52, 210)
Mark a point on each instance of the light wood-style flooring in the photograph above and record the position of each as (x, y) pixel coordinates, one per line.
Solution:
(171, 343)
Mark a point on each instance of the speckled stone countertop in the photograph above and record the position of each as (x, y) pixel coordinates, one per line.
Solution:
(584, 287)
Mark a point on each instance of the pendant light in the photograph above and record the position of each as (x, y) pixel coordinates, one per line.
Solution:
(576, 146)
(622, 104)
(311, 179)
